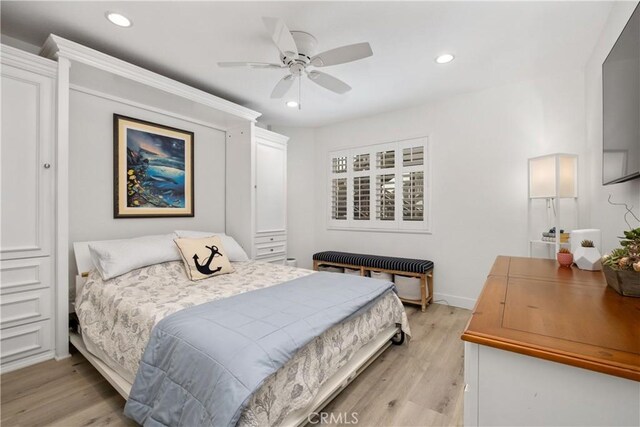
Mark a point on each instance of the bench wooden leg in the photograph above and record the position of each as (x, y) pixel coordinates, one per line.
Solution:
(315, 265)
(423, 292)
(430, 285)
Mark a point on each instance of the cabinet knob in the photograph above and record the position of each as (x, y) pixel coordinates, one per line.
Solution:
(271, 239)
(271, 250)
(47, 165)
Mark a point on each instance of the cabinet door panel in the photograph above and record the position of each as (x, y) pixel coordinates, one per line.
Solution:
(271, 163)
(25, 340)
(24, 307)
(18, 275)
(27, 185)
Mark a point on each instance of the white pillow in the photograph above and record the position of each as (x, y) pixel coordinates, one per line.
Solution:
(113, 258)
(235, 252)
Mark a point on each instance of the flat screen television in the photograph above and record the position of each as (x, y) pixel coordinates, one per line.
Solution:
(621, 106)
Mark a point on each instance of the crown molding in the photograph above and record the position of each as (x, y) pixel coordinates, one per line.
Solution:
(270, 135)
(28, 61)
(58, 47)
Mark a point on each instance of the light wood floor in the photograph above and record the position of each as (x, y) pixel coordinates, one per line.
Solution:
(419, 384)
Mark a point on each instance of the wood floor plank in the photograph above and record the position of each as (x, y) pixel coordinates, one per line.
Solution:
(416, 384)
(419, 384)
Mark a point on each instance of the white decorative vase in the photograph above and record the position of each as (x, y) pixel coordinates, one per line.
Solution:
(587, 259)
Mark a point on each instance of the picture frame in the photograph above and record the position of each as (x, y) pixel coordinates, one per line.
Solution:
(153, 169)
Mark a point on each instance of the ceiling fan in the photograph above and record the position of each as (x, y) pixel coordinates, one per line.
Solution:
(298, 53)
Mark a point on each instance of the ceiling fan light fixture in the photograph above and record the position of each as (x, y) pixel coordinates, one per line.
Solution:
(445, 58)
(118, 19)
(292, 104)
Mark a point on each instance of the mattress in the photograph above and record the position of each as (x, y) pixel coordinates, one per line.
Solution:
(116, 318)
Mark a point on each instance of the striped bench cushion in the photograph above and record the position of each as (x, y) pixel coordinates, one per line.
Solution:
(375, 261)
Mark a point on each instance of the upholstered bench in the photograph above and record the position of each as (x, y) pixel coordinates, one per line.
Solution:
(418, 268)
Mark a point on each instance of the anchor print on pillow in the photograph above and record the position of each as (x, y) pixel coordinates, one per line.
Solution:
(204, 257)
(205, 268)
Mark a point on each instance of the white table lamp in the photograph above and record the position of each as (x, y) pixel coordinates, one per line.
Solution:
(553, 176)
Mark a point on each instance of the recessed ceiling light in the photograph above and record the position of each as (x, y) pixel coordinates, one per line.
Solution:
(292, 104)
(118, 19)
(443, 59)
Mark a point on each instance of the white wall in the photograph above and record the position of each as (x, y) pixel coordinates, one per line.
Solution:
(480, 143)
(604, 216)
(300, 201)
(91, 174)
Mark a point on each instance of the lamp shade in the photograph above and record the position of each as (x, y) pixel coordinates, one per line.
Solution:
(553, 176)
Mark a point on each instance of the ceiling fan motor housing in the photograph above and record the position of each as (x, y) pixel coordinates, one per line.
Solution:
(307, 47)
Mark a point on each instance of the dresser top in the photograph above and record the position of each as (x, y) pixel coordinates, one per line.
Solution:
(566, 315)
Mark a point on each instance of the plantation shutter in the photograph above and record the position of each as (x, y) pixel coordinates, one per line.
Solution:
(383, 186)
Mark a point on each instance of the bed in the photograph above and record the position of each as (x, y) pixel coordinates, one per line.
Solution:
(117, 316)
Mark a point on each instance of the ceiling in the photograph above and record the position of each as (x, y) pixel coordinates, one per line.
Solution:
(494, 43)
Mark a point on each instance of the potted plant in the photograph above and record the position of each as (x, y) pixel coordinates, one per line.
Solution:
(587, 256)
(565, 257)
(622, 266)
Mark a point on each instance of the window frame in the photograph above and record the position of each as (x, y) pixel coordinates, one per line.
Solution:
(398, 225)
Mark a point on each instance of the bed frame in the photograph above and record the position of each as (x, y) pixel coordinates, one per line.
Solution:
(327, 392)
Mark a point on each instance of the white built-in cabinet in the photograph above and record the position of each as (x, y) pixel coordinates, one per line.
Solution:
(27, 239)
(256, 202)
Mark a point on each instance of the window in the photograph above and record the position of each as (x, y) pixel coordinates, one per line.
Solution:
(361, 198)
(413, 196)
(380, 187)
(412, 156)
(361, 162)
(339, 202)
(340, 165)
(386, 159)
(386, 197)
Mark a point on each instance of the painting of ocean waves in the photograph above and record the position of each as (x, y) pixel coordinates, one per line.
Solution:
(155, 170)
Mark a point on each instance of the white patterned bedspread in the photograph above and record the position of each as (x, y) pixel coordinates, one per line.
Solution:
(118, 315)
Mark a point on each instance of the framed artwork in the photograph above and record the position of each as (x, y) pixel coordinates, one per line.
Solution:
(153, 170)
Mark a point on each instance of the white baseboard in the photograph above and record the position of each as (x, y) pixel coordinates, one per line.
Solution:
(62, 357)
(456, 301)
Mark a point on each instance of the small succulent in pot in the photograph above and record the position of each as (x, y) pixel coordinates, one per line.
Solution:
(564, 257)
(587, 256)
(587, 244)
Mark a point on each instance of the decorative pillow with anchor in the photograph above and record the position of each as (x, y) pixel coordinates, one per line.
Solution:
(204, 257)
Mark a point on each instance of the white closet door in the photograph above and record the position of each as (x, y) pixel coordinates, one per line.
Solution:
(27, 173)
(271, 183)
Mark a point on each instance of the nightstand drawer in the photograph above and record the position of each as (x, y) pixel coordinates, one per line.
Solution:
(270, 249)
(270, 239)
(19, 275)
(24, 307)
(26, 340)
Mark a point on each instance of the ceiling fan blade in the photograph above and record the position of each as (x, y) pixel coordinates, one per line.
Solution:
(342, 55)
(249, 65)
(281, 36)
(329, 82)
(282, 87)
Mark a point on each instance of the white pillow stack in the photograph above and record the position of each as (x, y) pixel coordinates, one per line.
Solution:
(113, 258)
(234, 251)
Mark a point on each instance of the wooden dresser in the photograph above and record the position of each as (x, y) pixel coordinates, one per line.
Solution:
(551, 346)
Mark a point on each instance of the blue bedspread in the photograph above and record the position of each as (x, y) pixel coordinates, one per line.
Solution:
(202, 364)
